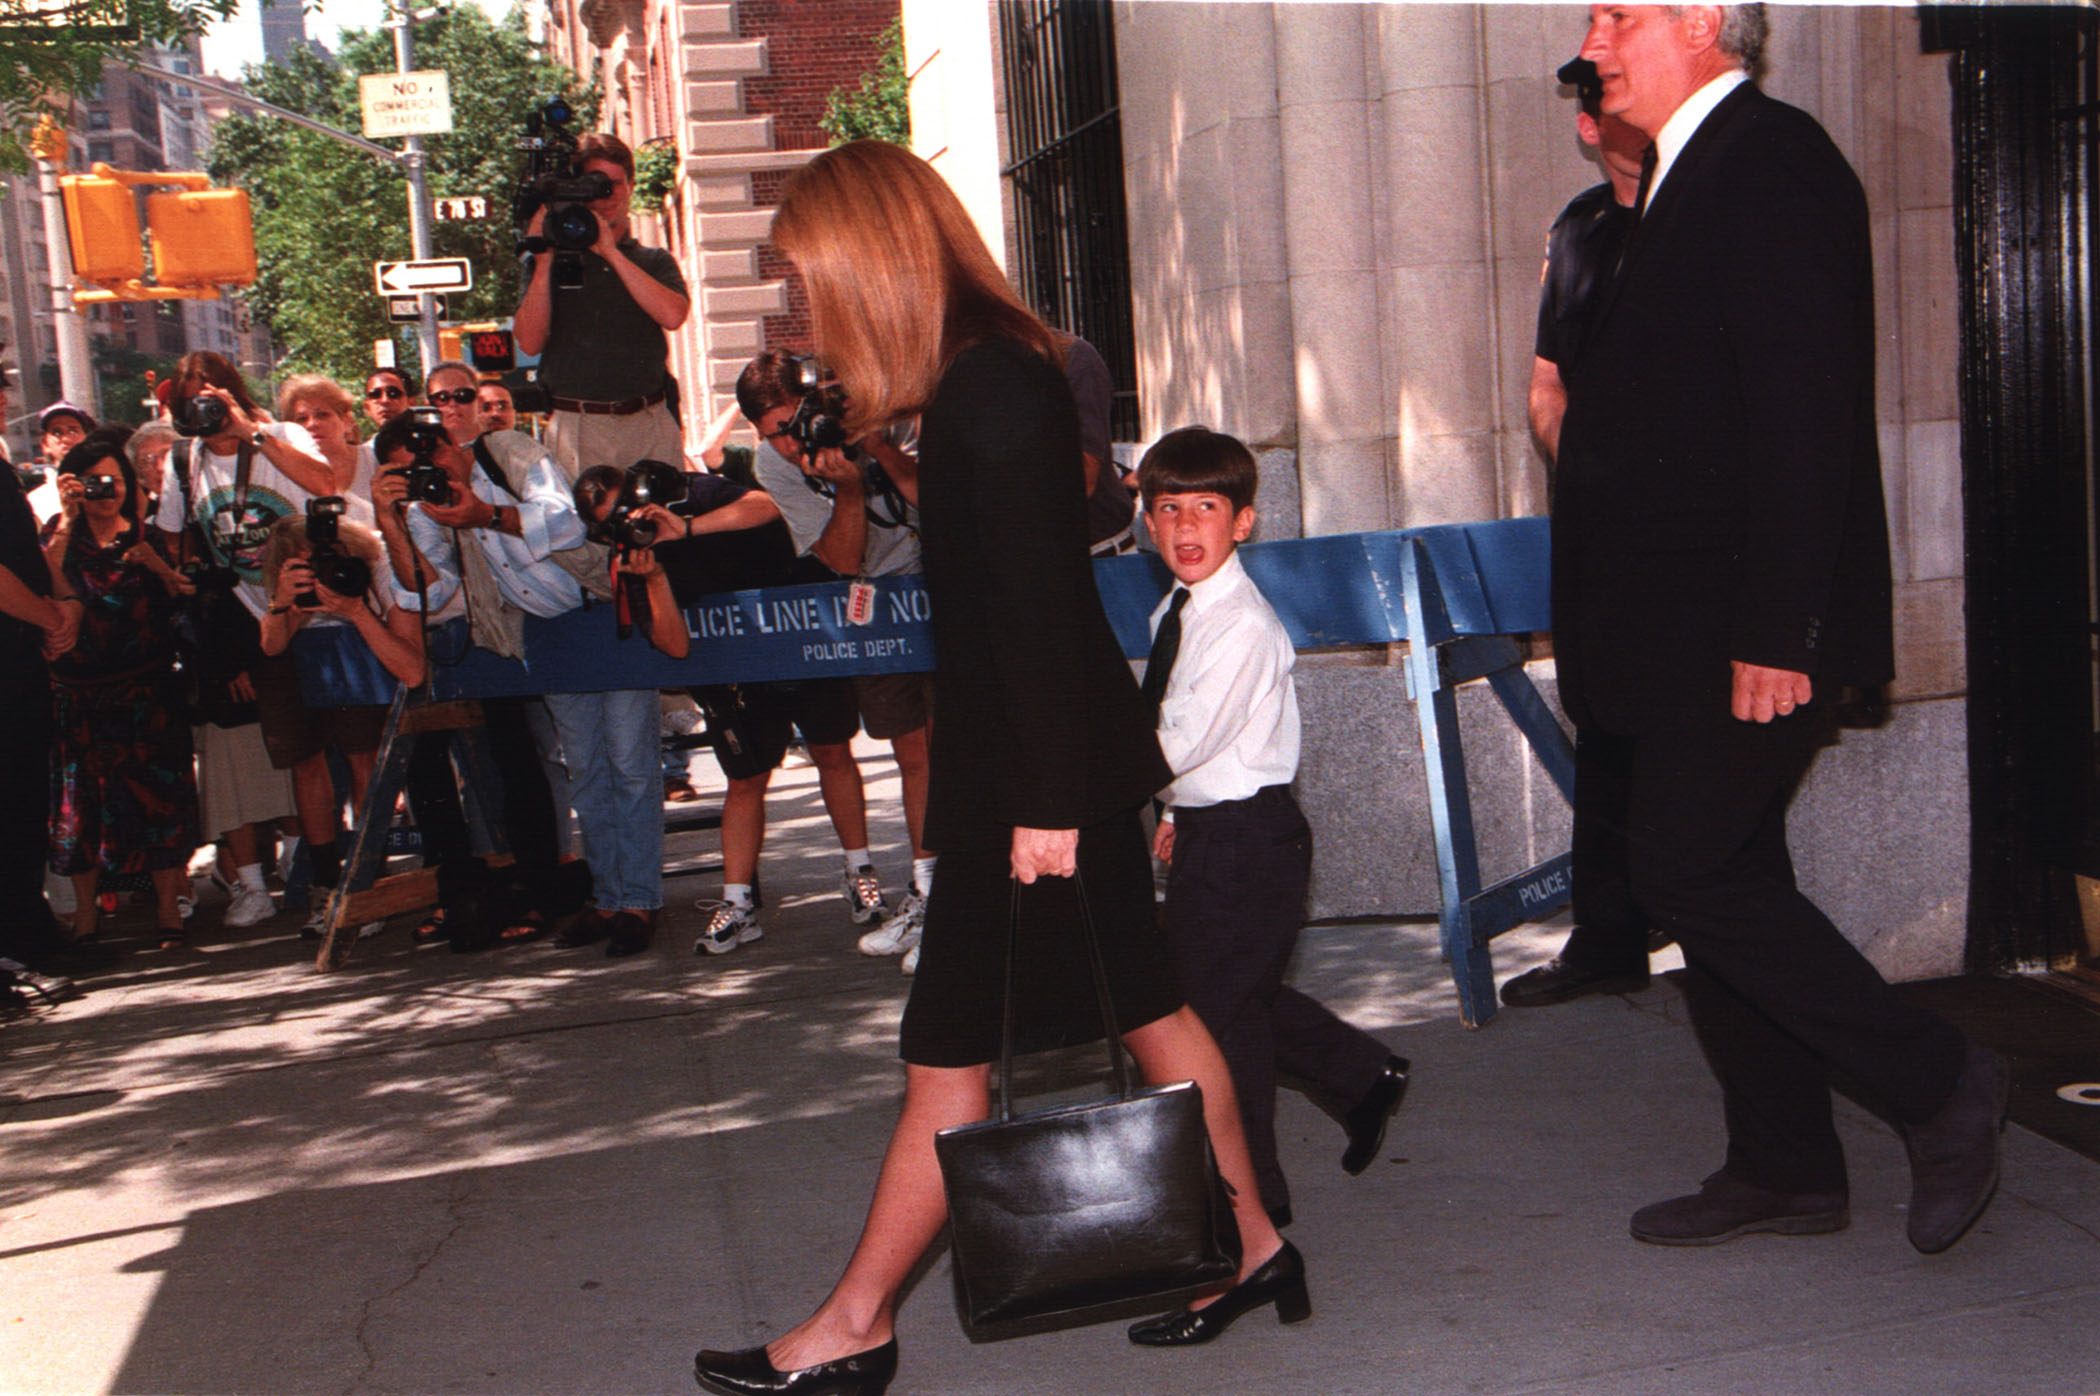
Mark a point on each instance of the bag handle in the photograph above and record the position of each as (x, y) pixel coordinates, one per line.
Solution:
(1112, 1035)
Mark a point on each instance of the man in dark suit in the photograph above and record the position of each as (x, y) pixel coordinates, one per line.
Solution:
(1720, 560)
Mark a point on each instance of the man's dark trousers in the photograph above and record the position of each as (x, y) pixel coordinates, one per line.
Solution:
(1610, 935)
(1779, 998)
(1235, 904)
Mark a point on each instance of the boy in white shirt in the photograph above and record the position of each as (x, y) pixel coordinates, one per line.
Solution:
(1239, 851)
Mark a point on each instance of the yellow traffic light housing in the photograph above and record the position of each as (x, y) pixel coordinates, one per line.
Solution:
(102, 227)
(202, 238)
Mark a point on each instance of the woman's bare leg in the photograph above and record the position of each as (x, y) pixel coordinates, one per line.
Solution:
(907, 1212)
(1179, 1048)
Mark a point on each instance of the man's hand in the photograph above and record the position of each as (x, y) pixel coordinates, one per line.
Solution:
(1044, 853)
(62, 635)
(1163, 842)
(470, 510)
(1762, 694)
(832, 467)
(241, 688)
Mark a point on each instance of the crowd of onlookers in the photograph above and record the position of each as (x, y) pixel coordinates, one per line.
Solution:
(208, 559)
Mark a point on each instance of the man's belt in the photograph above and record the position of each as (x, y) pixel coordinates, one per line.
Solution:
(627, 407)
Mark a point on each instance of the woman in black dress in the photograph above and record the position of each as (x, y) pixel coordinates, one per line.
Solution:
(1043, 751)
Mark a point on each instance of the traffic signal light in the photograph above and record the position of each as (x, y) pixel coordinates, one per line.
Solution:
(201, 238)
(102, 228)
(492, 351)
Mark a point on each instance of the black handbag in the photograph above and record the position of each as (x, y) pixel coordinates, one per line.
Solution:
(1086, 1211)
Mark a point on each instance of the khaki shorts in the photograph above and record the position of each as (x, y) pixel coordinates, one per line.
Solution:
(893, 705)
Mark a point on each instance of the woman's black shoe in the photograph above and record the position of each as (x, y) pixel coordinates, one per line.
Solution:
(1279, 1281)
(750, 1372)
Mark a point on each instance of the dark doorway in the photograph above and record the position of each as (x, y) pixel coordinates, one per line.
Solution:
(2024, 89)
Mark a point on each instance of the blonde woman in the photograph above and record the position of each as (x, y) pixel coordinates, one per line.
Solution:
(1044, 751)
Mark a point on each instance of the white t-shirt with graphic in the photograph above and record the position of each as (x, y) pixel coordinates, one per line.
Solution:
(238, 539)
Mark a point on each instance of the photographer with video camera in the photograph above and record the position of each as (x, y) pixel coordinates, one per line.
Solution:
(482, 525)
(231, 478)
(597, 303)
(678, 537)
(846, 507)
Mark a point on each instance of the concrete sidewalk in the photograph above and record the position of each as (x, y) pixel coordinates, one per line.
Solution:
(538, 1171)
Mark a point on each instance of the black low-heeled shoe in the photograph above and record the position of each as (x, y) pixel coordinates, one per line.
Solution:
(749, 1372)
(1366, 1119)
(1279, 1281)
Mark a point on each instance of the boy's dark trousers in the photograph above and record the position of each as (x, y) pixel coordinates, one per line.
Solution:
(1235, 905)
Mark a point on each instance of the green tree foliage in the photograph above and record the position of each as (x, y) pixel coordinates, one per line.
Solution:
(880, 106)
(325, 212)
(51, 49)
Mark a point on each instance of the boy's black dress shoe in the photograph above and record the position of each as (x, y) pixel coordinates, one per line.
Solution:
(1954, 1155)
(1557, 981)
(1726, 1207)
(1367, 1118)
(749, 1372)
(1279, 1281)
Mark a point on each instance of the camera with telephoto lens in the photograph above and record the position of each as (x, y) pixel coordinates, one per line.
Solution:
(345, 574)
(426, 479)
(645, 482)
(200, 415)
(554, 179)
(819, 424)
(98, 487)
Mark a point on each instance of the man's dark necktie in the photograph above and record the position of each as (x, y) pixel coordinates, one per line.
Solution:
(1640, 200)
(1166, 643)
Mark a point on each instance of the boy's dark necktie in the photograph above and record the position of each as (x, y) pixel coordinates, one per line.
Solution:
(1166, 643)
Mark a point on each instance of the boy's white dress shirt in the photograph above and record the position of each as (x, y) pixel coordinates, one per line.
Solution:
(1228, 722)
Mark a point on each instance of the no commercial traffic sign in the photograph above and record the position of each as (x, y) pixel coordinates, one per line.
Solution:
(406, 104)
(431, 274)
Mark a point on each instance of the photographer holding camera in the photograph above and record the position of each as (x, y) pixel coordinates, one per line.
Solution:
(675, 538)
(847, 512)
(477, 524)
(597, 305)
(224, 487)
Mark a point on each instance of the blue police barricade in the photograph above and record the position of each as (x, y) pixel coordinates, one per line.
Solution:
(1458, 596)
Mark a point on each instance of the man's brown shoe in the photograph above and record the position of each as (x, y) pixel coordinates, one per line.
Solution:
(1726, 1207)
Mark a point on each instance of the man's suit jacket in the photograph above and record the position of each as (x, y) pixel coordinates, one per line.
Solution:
(1720, 489)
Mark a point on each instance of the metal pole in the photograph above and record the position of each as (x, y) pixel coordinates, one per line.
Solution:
(76, 367)
(402, 23)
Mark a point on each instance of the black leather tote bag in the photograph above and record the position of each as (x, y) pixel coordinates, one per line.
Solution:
(1087, 1211)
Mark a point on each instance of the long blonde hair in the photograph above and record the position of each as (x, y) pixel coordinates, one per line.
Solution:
(899, 280)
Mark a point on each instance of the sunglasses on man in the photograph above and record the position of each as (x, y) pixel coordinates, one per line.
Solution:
(457, 397)
(389, 391)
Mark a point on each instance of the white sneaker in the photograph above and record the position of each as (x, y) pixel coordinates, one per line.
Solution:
(911, 961)
(186, 907)
(316, 922)
(862, 889)
(900, 934)
(249, 906)
(370, 929)
(731, 925)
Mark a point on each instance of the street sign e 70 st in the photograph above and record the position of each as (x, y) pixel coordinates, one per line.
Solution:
(461, 208)
(430, 274)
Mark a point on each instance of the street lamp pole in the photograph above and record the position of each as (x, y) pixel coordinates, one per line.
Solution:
(401, 19)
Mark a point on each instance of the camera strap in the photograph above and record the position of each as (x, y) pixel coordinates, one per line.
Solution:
(486, 459)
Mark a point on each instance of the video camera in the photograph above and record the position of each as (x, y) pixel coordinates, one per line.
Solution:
(819, 424)
(644, 483)
(426, 479)
(343, 573)
(554, 179)
(199, 416)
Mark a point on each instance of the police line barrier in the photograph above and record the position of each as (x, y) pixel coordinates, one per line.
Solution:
(1456, 595)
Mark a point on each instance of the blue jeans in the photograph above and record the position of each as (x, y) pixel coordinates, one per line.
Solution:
(609, 744)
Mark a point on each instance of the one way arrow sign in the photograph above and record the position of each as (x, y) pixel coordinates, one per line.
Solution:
(432, 274)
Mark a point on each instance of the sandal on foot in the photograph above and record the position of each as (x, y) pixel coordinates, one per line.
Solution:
(173, 937)
(525, 926)
(431, 929)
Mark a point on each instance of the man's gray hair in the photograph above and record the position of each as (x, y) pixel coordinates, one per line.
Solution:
(142, 440)
(1744, 30)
